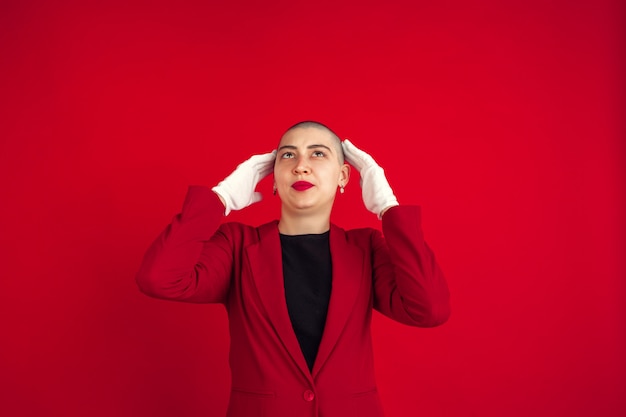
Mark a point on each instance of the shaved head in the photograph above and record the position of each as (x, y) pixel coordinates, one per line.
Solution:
(308, 124)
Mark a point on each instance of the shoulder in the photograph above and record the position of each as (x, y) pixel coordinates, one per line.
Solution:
(360, 232)
(396, 219)
(245, 232)
(361, 236)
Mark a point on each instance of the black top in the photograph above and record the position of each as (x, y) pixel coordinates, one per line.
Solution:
(307, 272)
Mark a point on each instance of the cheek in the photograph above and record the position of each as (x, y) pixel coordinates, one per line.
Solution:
(281, 174)
(334, 175)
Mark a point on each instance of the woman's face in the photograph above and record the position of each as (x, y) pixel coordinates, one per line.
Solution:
(307, 171)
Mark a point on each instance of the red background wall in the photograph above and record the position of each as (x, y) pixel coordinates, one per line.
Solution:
(504, 120)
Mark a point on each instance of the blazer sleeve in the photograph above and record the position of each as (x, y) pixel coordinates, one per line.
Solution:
(409, 286)
(190, 260)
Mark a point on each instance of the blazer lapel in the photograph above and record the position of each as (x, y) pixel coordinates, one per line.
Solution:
(347, 261)
(265, 259)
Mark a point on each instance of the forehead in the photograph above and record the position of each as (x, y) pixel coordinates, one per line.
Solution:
(305, 136)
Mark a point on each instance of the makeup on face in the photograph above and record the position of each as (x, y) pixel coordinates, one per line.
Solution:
(301, 185)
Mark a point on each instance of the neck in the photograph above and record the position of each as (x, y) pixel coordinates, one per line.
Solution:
(302, 223)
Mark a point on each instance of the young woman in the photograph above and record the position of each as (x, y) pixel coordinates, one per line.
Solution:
(300, 291)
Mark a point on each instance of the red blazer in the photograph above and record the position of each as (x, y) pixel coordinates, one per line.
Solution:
(198, 259)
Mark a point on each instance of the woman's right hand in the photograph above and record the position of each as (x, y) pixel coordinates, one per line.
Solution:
(237, 191)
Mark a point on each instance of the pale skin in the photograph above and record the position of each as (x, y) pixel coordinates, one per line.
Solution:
(310, 154)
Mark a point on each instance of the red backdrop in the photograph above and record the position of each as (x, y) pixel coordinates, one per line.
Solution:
(505, 122)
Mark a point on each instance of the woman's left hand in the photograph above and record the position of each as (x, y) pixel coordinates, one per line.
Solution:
(377, 194)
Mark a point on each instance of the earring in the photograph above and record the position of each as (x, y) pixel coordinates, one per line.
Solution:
(274, 190)
(341, 189)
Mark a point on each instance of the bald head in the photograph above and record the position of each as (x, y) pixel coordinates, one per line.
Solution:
(309, 124)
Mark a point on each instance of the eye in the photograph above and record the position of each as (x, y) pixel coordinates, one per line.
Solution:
(319, 154)
(287, 155)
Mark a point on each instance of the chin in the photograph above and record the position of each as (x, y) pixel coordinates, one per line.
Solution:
(303, 206)
(299, 204)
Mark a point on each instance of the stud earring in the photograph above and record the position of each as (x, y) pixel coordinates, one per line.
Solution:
(341, 189)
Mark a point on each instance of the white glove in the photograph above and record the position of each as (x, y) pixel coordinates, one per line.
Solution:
(377, 194)
(237, 190)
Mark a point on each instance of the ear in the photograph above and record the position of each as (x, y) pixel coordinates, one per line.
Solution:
(344, 175)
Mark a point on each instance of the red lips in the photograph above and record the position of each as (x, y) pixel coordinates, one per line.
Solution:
(301, 185)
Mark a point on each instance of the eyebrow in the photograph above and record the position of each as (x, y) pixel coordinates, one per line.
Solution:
(308, 147)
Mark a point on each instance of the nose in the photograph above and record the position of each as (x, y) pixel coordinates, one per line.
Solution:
(302, 166)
